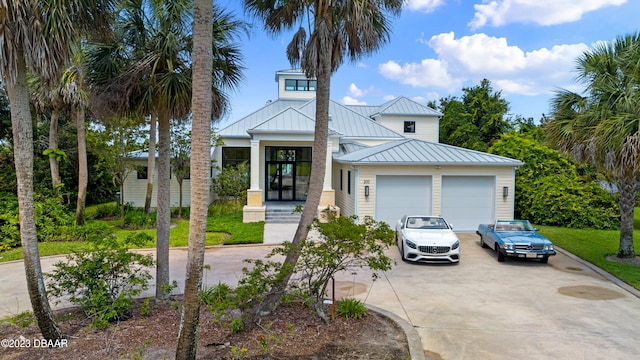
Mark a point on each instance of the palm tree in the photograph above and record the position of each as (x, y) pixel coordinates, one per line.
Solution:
(38, 35)
(49, 100)
(200, 165)
(602, 127)
(352, 28)
(75, 91)
(216, 66)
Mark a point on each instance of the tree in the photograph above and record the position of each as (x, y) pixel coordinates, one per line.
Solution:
(49, 100)
(216, 67)
(75, 92)
(180, 155)
(37, 35)
(201, 164)
(337, 29)
(601, 126)
(114, 142)
(477, 120)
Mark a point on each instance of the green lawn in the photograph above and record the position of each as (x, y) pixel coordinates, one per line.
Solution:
(227, 228)
(594, 246)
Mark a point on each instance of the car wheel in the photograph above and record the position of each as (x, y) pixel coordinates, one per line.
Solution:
(544, 260)
(500, 254)
(482, 243)
(402, 251)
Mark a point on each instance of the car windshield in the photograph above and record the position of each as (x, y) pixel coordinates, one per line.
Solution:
(513, 225)
(426, 222)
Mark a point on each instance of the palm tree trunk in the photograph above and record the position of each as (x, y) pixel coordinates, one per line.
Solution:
(627, 204)
(318, 169)
(163, 213)
(83, 170)
(151, 163)
(53, 144)
(23, 156)
(200, 166)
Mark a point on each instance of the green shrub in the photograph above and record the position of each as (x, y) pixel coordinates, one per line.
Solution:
(135, 219)
(103, 279)
(351, 308)
(107, 211)
(346, 244)
(552, 190)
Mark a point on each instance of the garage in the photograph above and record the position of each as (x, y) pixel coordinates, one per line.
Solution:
(468, 201)
(400, 195)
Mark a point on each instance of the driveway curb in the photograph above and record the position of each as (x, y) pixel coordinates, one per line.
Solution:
(630, 289)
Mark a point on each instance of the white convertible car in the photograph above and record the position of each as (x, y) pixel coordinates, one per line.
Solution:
(427, 239)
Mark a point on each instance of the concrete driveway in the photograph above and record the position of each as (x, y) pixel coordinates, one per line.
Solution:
(477, 309)
(483, 309)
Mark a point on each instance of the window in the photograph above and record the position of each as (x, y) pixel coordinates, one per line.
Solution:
(340, 179)
(410, 127)
(300, 85)
(349, 182)
(143, 172)
(232, 156)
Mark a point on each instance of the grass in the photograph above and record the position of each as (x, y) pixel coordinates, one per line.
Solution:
(595, 245)
(228, 228)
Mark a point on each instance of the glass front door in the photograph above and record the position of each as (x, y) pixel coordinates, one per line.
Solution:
(288, 173)
(281, 183)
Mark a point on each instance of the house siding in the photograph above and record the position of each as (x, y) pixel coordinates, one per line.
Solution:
(427, 127)
(344, 200)
(135, 190)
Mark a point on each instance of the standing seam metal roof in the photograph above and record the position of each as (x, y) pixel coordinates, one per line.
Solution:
(418, 152)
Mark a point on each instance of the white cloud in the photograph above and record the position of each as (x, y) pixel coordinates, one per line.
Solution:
(550, 12)
(348, 100)
(473, 58)
(425, 6)
(429, 72)
(355, 91)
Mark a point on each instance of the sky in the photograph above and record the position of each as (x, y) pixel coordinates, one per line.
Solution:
(527, 49)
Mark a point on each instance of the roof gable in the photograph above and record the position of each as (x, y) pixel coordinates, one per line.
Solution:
(289, 120)
(404, 106)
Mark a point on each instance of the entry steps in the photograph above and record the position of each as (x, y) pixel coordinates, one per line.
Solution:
(282, 213)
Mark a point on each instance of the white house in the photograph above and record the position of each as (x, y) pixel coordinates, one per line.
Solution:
(383, 161)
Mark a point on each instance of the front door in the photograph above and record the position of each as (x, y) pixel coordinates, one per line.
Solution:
(288, 171)
(281, 181)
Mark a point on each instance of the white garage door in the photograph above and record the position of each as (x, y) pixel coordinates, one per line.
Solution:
(400, 195)
(468, 201)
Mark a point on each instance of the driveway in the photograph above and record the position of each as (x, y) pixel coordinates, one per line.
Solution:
(483, 309)
(477, 309)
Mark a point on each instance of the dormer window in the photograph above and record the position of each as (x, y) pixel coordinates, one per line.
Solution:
(410, 127)
(300, 85)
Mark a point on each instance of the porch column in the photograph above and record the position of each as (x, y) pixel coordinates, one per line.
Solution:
(255, 165)
(255, 210)
(328, 198)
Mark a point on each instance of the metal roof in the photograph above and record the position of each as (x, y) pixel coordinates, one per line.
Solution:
(350, 123)
(238, 129)
(403, 106)
(289, 120)
(344, 121)
(419, 152)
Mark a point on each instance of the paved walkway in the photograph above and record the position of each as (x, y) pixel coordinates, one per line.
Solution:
(478, 309)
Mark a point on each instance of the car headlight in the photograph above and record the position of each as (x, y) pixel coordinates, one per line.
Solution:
(455, 245)
(548, 247)
(507, 246)
(410, 243)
